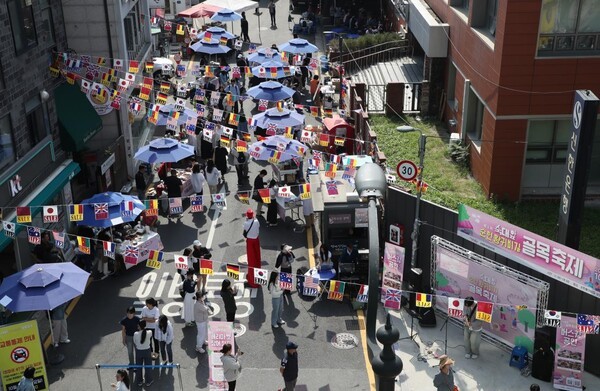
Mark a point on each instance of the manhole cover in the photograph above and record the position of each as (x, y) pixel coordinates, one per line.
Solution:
(239, 329)
(344, 341)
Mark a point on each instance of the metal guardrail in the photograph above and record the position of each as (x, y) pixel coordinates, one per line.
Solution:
(116, 366)
(360, 59)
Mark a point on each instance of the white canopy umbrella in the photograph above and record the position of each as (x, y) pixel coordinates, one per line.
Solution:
(234, 5)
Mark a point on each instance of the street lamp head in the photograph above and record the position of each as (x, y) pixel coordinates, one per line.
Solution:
(405, 129)
(370, 181)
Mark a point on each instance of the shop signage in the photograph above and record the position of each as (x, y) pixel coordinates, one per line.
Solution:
(107, 163)
(15, 185)
(553, 259)
(340, 218)
(99, 99)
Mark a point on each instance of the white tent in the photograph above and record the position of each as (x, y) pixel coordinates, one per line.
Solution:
(234, 5)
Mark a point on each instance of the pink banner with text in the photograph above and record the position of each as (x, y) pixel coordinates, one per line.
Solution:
(569, 356)
(556, 260)
(219, 333)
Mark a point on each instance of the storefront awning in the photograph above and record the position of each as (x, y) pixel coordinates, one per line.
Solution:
(77, 118)
(43, 193)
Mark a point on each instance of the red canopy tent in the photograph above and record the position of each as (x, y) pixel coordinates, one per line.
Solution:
(337, 126)
(199, 11)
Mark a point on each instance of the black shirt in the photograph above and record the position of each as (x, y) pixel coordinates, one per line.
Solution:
(244, 23)
(259, 183)
(189, 286)
(229, 301)
(173, 186)
(140, 181)
(289, 363)
(131, 325)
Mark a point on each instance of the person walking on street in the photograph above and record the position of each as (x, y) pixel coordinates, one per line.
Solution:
(59, 325)
(259, 183)
(471, 329)
(231, 366)
(272, 13)
(228, 295)
(221, 154)
(251, 233)
(244, 23)
(26, 382)
(197, 179)
(289, 366)
(241, 160)
(140, 182)
(276, 300)
(272, 215)
(199, 252)
(213, 177)
(164, 334)
(129, 325)
(122, 383)
(444, 380)
(189, 289)
(201, 318)
(150, 315)
(142, 339)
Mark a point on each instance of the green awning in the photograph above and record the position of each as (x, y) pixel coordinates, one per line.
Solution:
(77, 118)
(51, 186)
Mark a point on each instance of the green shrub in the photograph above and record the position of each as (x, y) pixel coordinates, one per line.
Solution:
(459, 153)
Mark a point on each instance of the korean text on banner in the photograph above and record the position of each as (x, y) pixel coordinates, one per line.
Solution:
(556, 260)
(21, 347)
(219, 333)
(569, 355)
(393, 266)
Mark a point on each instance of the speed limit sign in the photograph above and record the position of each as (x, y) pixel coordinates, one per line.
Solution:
(406, 170)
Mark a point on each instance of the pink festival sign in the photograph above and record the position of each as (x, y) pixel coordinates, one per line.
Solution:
(533, 251)
(570, 355)
(219, 333)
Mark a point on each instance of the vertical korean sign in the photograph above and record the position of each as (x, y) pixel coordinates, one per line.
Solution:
(579, 155)
(570, 352)
(219, 333)
(20, 348)
(393, 266)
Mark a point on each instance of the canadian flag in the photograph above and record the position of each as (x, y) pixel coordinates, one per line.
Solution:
(181, 262)
(456, 307)
(50, 214)
(118, 64)
(85, 86)
(130, 77)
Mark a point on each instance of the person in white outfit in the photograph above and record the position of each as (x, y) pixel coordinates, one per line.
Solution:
(231, 366)
(189, 289)
(122, 383)
(150, 314)
(197, 179)
(213, 177)
(201, 318)
(164, 334)
(142, 339)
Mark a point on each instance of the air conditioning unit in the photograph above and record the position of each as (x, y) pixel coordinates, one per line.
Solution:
(454, 138)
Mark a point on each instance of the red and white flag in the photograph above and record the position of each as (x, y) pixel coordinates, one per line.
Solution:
(181, 262)
(50, 214)
(456, 307)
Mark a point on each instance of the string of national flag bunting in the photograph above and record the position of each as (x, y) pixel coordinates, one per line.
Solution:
(391, 298)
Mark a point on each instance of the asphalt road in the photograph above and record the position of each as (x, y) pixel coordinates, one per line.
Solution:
(95, 332)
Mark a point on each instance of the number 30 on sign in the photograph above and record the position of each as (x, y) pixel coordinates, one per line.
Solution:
(406, 170)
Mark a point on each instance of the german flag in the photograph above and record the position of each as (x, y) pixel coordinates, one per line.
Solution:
(165, 87)
(161, 98)
(339, 141)
(244, 198)
(149, 66)
(224, 141)
(233, 271)
(223, 41)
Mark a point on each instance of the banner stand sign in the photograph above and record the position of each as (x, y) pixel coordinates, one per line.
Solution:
(219, 333)
(569, 357)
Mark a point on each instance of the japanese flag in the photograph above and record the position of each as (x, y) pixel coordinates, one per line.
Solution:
(85, 85)
(50, 214)
(123, 84)
(130, 77)
(456, 307)
(284, 192)
(118, 64)
(181, 262)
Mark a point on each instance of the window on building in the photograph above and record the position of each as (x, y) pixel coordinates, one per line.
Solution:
(547, 141)
(46, 24)
(569, 28)
(450, 94)
(37, 122)
(129, 35)
(167, 6)
(474, 116)
(23, 26)
(1, 76)
(7, 152)
(483, 16)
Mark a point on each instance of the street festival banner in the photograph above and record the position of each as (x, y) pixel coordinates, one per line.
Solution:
(512, 323)
(219, 333)
(570, 353)
(556, 260)
(393, 269)
(21, 347)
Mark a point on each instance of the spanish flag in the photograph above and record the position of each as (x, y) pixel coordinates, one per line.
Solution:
(273, 72)
(207, 36)
(324, 140)
(84, 245)
(233, 271)
(241, 146)
(314, 111)
(134, 66)
(23, 214)
(423, 300)
(151, 207)
(206, 267)
(336, 290)
(265, 195)
(76, 212)
(305, 191)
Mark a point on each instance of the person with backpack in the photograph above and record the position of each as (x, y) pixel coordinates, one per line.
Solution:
(240, 161)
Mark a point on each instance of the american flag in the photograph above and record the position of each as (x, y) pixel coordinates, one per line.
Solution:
(363, 294)
(127, 208)
(196, 203)
(175, 206)
(34, 235)
(392, 298)
(285, 281)
(59, 239)
(131, 254)
(311, 286)
(101, 211)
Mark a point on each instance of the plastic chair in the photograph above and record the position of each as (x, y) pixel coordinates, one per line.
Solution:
(519, 357)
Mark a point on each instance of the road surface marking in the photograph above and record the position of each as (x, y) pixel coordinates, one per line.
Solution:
(363, 338)
(213, 228)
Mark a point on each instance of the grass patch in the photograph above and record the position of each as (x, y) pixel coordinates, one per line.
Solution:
(451, 184)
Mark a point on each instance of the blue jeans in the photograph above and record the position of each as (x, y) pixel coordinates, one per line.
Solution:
(142, 357)
(169, 351)
(130, 348)
(277, 310)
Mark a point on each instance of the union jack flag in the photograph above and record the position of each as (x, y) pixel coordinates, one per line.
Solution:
(331, 188)
(392, 298)
(311, 286)
(101, 211)
(131, 254)
(271, 128)
(196, 203)
(285, 281)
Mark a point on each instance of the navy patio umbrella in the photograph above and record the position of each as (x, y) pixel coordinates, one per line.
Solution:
(216, 33)
(163, 115)
(260, 56)
(298, 46)
(212, 47)
(225, 15)
(113, 202)
(263, 71)
(270, 90)
(281, 119)
(164, 150)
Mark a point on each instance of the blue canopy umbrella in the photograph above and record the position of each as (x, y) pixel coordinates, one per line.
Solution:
(290, 149)
(260, 56)
(114, 215)
(298, 46)
(43, 287)
(212, 47)
(216, 33)
(270, 90)
(164, 150)
(165, 110)
(281, 119)
(264, 70)
(225, 15)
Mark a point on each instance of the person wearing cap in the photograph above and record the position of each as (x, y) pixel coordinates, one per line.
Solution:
(189, 288)
(284, 261)
(444, 380)
(251, 233)
(289, 366)
(199, 252)
(471, 329)
(231, 365)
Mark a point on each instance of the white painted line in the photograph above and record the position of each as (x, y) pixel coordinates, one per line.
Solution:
(213, 228)
(161, 284)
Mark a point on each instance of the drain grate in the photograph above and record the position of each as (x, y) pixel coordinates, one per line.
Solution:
(352, 325)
